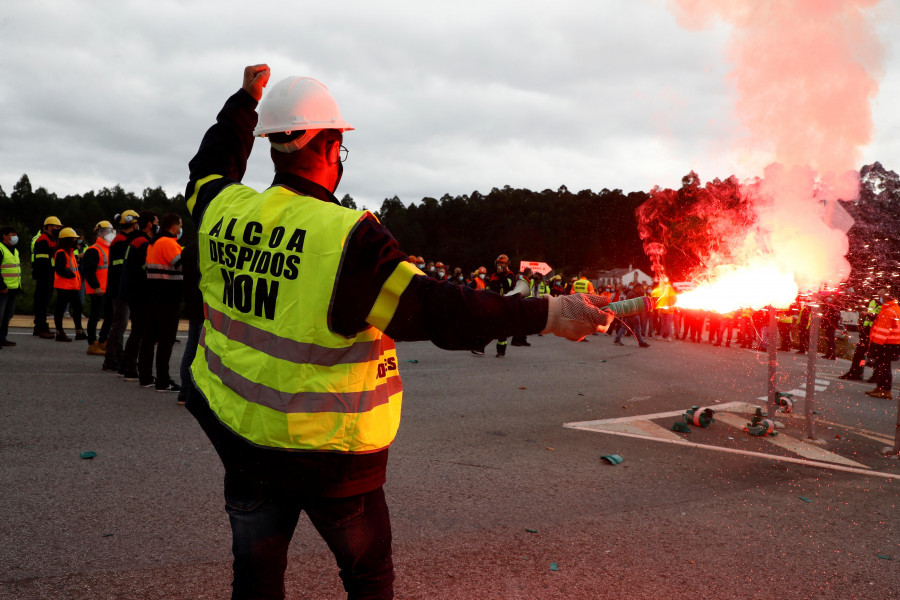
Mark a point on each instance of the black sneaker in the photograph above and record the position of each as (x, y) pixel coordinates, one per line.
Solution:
(849, 377)
(644, 345)
(147, 383)
(130, 375)
(111, 368)
(618, 343)
(171, 387)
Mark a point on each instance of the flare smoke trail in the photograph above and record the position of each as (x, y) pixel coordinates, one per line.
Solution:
(804, 74)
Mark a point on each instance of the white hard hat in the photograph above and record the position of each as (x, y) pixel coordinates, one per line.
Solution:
(299, 104)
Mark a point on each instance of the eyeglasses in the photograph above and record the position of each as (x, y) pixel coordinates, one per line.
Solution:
(344, 153)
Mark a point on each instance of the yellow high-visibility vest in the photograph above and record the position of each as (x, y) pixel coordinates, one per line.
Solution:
(268, 363)
(582, 286)
(10, 267)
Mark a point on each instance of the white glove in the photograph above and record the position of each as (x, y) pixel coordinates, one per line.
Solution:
(575, 316)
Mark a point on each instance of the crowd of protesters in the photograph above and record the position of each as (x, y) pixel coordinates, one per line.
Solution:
(131, 272)
(134, 271)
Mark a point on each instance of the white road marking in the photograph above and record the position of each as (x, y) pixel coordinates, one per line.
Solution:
(793, 444)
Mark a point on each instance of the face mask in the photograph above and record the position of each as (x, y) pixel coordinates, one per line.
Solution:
(339, 175)
(14, 240)
(155, 229)
(481, 275)
(440, 273)
(109, 237)
(180, 231)
(421, 265)
(431, 269)
(460, 277)
(521, 278)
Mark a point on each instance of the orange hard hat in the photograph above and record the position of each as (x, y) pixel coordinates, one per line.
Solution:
(502, 259)
(482, 270)
(439, 265)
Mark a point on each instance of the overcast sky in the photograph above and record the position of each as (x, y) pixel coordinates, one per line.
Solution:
(447, 97)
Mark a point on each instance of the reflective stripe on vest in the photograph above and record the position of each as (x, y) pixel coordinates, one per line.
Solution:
(10, 267)
(268, 364)
(158, 267)
(102, 268)
(66, 283)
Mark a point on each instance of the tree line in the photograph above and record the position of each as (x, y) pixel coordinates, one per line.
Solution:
(585, 231)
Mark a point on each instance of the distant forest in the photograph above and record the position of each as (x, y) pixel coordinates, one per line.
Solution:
(584, 231)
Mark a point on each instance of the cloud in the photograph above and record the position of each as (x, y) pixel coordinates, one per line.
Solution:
(446, 98)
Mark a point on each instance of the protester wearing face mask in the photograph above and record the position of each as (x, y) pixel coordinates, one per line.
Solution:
(67, 282)
(10, 280)
(42, 250)
(166, 283)
(458, 278)
(501, 282)
(94, 271)
(477, 282)
(420, 263)
(440, 271)
(127, 224)
(136, 292)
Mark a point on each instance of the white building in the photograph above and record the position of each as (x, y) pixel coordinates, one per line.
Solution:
(623, 276)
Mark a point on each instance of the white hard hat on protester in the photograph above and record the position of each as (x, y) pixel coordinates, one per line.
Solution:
(298, 104)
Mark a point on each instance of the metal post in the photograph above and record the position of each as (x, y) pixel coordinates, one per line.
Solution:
(815, 318)
(772, 404)
(896, 450)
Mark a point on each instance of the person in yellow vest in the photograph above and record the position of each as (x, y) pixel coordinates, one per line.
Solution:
(165, 282)
(10, 280)
(785, 322)
(94, 272)
(67, 283)
(296, 375)
(582, 286)
(884, 345)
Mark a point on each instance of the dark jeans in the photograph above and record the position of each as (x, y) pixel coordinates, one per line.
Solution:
(7, 309)
(99, 308)
(43, 290)
(119, 322)
(829, 335)
(634, 324)
(161, 332)
(73, 299)
(140, 324)
(190, 350)
(883, 355)
(357, 530)
(858, 362)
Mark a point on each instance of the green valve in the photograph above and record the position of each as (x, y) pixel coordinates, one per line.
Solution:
(88, 454)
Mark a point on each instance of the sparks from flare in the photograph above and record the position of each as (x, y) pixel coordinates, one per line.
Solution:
(749, 287)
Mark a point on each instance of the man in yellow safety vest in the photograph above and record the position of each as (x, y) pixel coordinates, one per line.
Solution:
(296, 373)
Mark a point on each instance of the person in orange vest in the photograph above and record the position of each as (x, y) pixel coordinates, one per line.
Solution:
(94, 271)
(166, 283)
(67, 283)
(884, 345)
(477, 282)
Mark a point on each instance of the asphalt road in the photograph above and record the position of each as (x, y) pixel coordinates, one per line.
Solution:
(490, 495)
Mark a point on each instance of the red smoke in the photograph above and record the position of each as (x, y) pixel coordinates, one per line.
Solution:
(804, 75)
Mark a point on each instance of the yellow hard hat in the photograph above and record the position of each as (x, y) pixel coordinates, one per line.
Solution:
(128, 216)
(52, 221)
(102, 225)
(67, 232)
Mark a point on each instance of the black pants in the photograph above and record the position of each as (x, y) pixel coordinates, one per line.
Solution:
(42, 292)
(73, 299)
(263, 517)
(883, 355)
(829, 335)
(858, 362)
(161, 333)
(140, 325)
(99, 308)
(784, 332)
